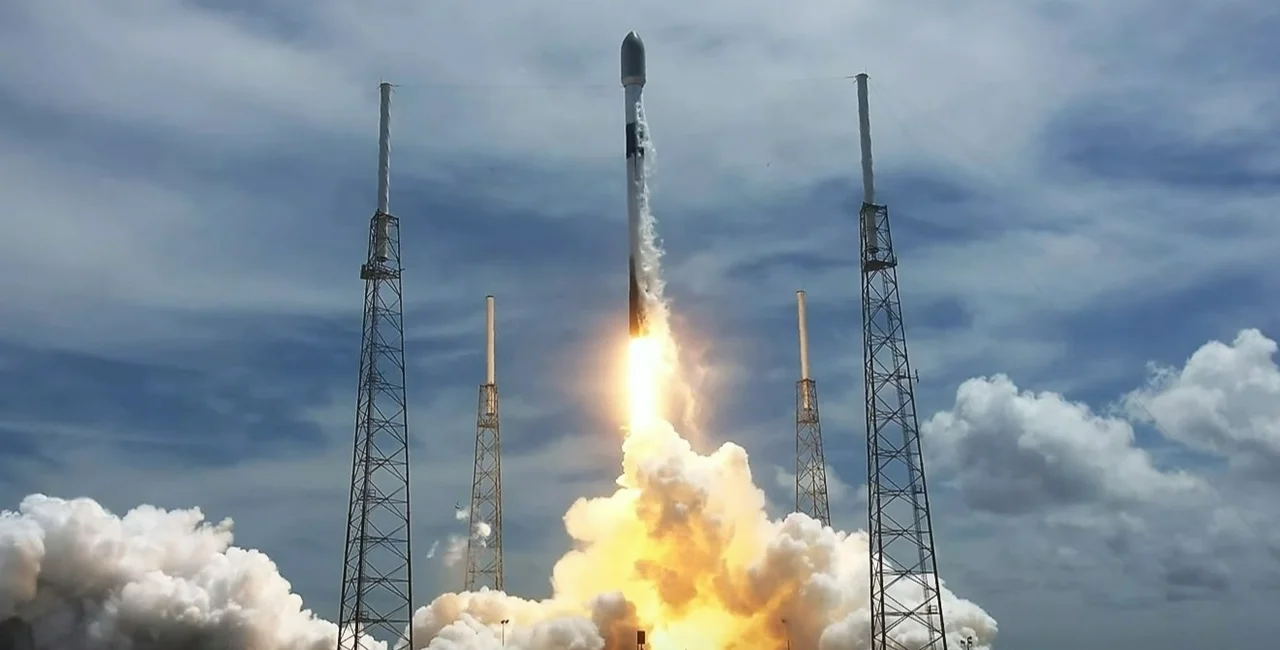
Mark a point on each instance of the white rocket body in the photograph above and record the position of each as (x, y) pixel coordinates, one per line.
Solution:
(633, 78)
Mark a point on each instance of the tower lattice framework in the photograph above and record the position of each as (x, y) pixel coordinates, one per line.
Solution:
(484, 540)
(904, 574)
(811, 464)
(377, 570)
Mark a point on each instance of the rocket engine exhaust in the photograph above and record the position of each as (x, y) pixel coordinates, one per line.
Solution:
(633, 78)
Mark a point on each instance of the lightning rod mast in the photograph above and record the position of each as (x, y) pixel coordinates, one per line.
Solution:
(904, 573)
(484, 551)
(811, 466)
(377, 566)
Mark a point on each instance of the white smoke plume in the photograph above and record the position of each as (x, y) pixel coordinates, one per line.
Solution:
(456, 545)
(456, 551)
(650, 262)
(685, 549)
(654, 285)
(684, 541)
(85, 579)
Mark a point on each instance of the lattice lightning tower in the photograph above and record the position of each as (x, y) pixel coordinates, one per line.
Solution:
(377, 575)
(904, 573)
(811, 466)
(484, 540)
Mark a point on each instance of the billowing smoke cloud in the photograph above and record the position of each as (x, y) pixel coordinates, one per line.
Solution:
(86, 579)
(685, 549)
(682, 548)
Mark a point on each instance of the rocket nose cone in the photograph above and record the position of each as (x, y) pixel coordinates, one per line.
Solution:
(633, 68)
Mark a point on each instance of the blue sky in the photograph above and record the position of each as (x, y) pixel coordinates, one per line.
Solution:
(1076, 191)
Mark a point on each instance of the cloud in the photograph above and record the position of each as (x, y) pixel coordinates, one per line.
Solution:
(1225, 401)
(1077, 484)
(1015, 451)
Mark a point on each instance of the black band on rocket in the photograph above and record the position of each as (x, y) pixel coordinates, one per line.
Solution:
(633, 140)
(635, 306)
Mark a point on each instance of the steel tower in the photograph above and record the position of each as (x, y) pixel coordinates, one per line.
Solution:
(484, 540)
(811, 466)
(904, 573)
(377, 575)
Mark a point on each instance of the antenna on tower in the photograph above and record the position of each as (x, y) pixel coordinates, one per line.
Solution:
(484, 540)
(377, 573)
(899, 525)
(811, 466)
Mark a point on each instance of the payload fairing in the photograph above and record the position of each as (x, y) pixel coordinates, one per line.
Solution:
(633, 76)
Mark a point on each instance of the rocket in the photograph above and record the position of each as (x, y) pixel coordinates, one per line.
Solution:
(633, 88)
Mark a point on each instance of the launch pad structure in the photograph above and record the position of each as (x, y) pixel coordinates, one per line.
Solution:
(377, 564)
(811, 464)
(484, 552)
(899, 524)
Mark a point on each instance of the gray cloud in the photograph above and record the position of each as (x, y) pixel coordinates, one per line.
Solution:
(1104, 510)
(1017, 452)
(1224, 401)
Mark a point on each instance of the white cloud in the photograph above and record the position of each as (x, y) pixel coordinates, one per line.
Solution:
(1016, 451)
(1076, 493)
(1224, 401)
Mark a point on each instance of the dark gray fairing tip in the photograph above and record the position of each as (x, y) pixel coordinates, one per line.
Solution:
(633, 68)
(15, 634)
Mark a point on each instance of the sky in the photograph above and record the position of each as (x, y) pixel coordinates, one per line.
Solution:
(1082, 197)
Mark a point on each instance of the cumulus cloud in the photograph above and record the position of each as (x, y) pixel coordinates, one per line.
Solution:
(1224, 401)
(1014, 451)
(1096, 498)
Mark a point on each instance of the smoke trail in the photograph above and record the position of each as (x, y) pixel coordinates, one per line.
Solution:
(456, 545)
(658, 308)
(651, 252)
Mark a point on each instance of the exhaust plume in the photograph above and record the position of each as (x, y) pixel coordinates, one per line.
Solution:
(85, 579)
